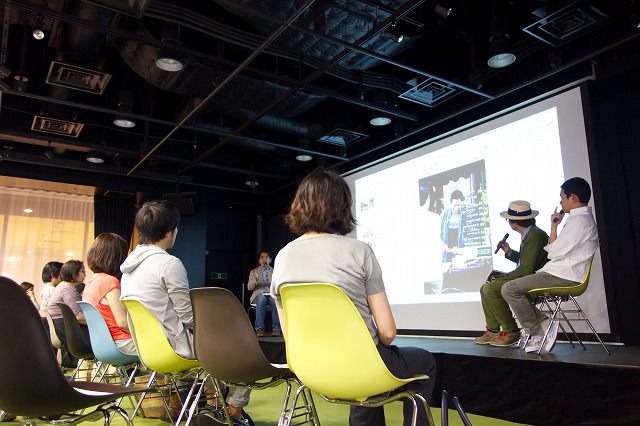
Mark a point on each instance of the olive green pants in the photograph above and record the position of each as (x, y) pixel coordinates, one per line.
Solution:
(496, 310)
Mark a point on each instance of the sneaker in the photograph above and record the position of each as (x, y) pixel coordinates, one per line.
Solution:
(506, 339)
(8, 417)
(551, 337)
(487, 337)
(534, 343)
(260, 332)
(209, 416)
(275, 333)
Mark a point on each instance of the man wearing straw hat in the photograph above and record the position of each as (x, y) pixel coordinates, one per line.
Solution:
(569, 253)
(502, 329)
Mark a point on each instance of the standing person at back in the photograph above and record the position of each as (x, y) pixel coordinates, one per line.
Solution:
(259, 282)
(159, 281)
(105, 256)
(569, 253)
(321, 215)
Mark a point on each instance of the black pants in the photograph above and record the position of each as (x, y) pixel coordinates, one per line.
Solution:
(66, 359)
(402, 363)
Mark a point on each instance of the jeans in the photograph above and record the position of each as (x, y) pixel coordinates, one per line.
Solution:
(261, 301)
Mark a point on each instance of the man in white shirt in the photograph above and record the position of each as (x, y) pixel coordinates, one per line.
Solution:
(569, 254)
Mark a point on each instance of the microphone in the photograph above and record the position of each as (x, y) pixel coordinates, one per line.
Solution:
(504, 240)
(555, 219)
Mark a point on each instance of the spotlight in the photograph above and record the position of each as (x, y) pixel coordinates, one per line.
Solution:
(38, 32)
(95, 157)
(500, 54)
(442, 10)
(303, 143)
(379, 118)
(125, 105)
(167, 59)
(252, 183)
(304, 157)
(394, 33)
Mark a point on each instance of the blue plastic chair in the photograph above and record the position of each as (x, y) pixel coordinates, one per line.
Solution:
(104, 348)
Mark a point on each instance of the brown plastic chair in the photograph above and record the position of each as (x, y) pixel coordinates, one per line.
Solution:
(33, 385)
(228, 350)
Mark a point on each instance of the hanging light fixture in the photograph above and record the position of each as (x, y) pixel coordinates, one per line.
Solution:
(303, 155)
(500, 54)
(38, 31)
(378, 117)
(443, 10)
(394, 33)
(125, 105)
(168, 60)
(95, 157)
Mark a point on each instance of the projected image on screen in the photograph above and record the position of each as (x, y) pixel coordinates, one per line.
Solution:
(432, 215)
(459, 197)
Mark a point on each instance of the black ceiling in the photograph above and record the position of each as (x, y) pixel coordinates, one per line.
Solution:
(264, 80)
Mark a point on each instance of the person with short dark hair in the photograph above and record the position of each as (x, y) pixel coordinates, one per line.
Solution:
(159, 281)
(569, 253)
(50, 278)
(102, 290)
(259, 282)
(321, 215)
(451, 225)
(72, 275)
(501, 327)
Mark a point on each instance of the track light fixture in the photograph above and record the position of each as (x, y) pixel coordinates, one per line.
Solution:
(500, 54)
(168, 60)
(394, 33)
(125, 105)
(442, 10)
(379, 118)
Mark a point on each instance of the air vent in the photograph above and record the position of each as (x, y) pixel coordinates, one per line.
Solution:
(77, 78)
(429, 93)
(342, 137)
(56, 127)
(117, 194)
(561, 26)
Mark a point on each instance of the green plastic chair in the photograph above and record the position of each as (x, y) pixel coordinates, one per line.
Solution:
(544, 297)
(157, 354)
(343, 365)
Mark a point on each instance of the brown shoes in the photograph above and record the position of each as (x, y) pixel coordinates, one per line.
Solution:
(260, 332)
(275, 333)
(487, 338)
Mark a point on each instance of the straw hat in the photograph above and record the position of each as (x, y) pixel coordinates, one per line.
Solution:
(519, 210)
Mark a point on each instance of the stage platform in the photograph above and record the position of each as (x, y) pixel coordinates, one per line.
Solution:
(569, 386)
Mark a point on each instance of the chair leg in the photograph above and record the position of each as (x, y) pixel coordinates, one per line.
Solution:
(310, 413)
(590, 325)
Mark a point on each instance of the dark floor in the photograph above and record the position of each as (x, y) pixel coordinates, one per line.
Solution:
(569, 386)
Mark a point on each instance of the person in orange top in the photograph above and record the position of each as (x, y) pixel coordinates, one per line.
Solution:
(102, 290)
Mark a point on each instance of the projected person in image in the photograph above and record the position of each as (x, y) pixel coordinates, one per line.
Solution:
(451, 226)
(502, 329)
(428, 236)
(321, 215)
(569, 254)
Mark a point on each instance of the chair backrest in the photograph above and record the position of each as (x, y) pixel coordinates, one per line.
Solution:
(76, 341)
(55, 340)
(32, 383)
(575, 290)
(154, 349)
(328, 345)
(104, 348)
(224, 340)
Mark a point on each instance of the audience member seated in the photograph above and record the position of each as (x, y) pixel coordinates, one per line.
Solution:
(259, 282)
(159, 281)
(102, 290)
(321, 215)
(29, 289)
(72, 274)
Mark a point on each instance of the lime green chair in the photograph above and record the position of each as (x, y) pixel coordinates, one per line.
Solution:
(330, 350)
(544, 297)
(157, 354)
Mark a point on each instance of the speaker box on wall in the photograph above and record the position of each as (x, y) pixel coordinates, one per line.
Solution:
(186, 202)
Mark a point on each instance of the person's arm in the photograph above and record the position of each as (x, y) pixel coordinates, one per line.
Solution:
(533, 255)
(252, 281)
(382, 315)
(119, 312)
(175, 277)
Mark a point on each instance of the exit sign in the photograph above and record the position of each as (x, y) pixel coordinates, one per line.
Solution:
(218, 275)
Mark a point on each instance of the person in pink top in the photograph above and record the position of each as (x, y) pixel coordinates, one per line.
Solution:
(102, 290)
